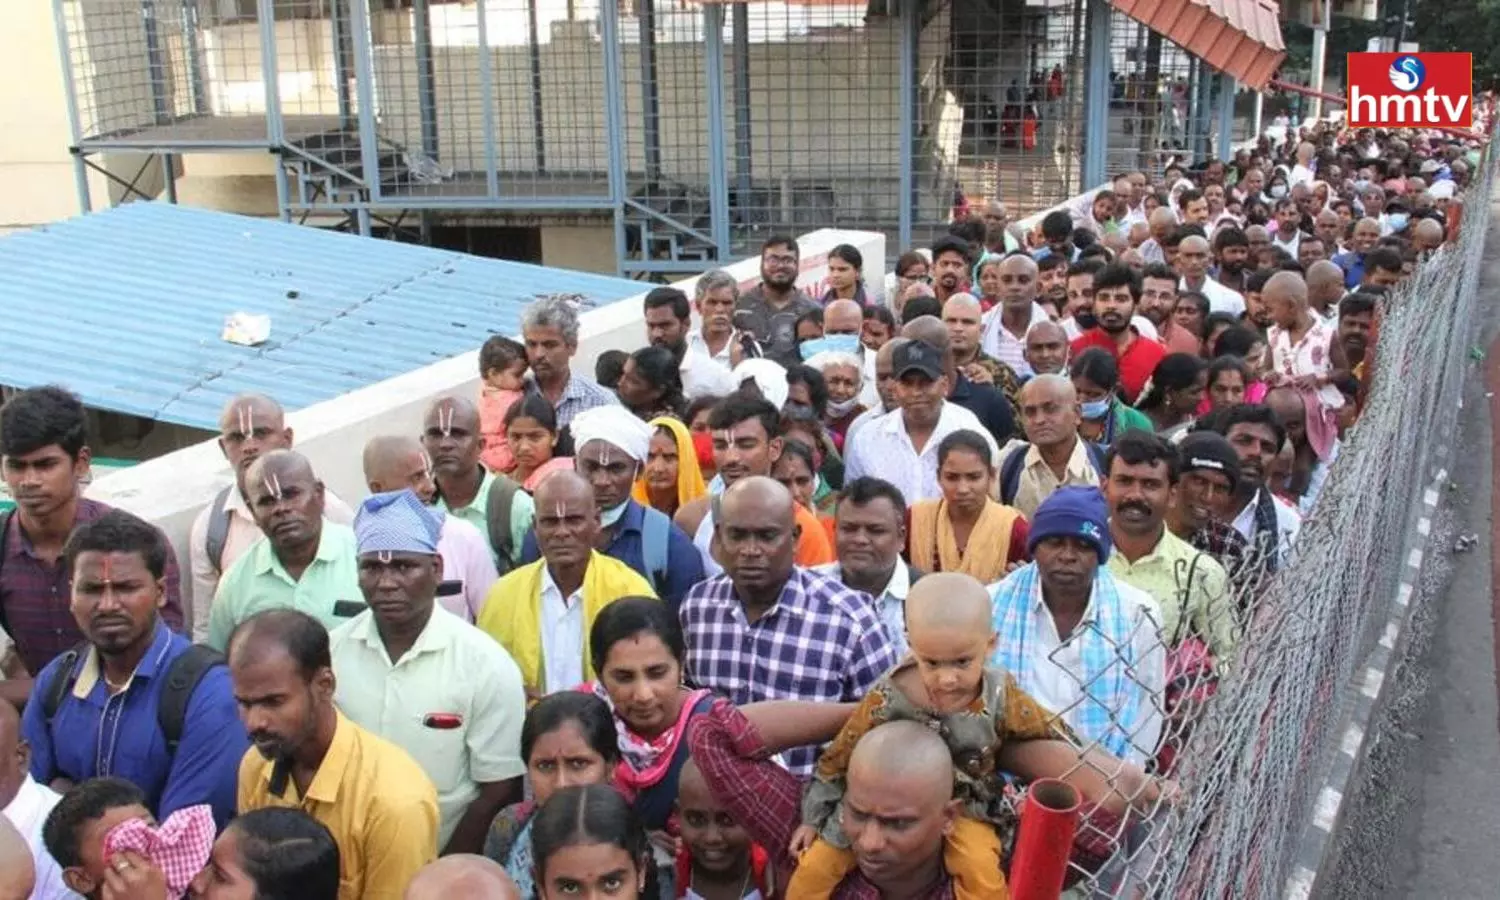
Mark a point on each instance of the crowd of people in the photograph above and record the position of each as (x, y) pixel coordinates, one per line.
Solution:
(794, 600)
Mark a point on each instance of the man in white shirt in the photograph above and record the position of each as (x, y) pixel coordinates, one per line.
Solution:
(394, 463)
(1192, 261)
(1005, 326)
(1081, 642)
(1288, 236)
(716, 294)
(669, 321)
(251, 426)
(901, 446)
(1302, 172)
(425, 680)
(25, 805)
(869, 537)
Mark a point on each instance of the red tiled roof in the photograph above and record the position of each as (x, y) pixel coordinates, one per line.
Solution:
(1239, 37)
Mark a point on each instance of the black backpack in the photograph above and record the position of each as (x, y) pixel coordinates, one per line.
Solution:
(182, 677)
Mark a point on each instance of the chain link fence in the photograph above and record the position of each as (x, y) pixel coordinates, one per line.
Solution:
(1251, 758)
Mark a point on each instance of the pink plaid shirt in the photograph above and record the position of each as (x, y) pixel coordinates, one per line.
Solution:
(179, 847)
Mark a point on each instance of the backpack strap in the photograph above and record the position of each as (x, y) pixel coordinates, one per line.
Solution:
(497, 516)
(62, 680)
(656, 531)
(182, 677)
(1097, 455)
(218, 529)
(1010, 473)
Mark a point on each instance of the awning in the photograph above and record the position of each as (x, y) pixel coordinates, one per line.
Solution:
(1241, 38)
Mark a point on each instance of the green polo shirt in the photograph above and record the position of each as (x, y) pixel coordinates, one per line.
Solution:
(1208, 605)
(328, 590)
(522, 511)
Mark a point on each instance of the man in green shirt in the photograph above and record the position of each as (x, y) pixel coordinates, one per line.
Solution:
(452, 439)
(303, 562)
(1189, 586)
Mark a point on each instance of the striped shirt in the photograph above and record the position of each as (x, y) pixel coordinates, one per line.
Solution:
(580, 394)
(821, 641)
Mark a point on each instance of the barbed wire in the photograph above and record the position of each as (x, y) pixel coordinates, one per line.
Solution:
(1249, 745)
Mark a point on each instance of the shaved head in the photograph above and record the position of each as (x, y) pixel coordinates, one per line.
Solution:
(950, 601)
(960, 302)
(250, 426)
(1325, 283)
(929, 330)
(563, 486)
(462, 411)
(461, 876)
(386, 451)
(283, 465)
(1042, 388)
(1286, 284)
(759, 492)
(755, 539)
(16, 863)
(395, 462)
(842, 317)
(902, 750)
(1427, 234)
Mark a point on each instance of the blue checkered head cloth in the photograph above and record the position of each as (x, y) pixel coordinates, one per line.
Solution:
(397, 522)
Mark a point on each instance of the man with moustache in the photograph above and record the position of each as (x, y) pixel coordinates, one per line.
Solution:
(372, 797)
(950, 268)
(770, 309)
(1209, 476)
(669, 322)
(1267, 522)
(425, 680)
(1116, 292)
(1158, 306)
(135, 700)
(1232, 251)
(1052, 285)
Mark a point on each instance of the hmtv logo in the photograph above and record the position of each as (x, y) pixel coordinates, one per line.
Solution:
(1410, 90)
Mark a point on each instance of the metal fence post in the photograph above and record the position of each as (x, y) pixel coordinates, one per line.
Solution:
(907, 86)
(364, 77)
(487, 97)
(269, 72)
(740, 55)
(70, 96)
(614, 122)
(718, 174)
(650, 91)
(1227, 86)
(421, 20)
(1097, 97)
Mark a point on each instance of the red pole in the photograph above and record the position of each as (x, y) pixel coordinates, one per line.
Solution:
(1049, 818)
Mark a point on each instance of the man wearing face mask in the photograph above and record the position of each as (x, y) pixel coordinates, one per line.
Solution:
(842, 321)
(612, 446)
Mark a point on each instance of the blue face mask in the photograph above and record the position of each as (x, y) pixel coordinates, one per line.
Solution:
(1094, 410)
(1362, 185)
(1397, 221)
(609, 517)
(829, 343)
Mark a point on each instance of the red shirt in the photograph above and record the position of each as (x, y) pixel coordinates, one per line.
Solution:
(1136, 363)
(1179, 340)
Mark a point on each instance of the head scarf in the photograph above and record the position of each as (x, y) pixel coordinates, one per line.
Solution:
(616, 426)
(397, 522)
(768, 376)
(690, 484)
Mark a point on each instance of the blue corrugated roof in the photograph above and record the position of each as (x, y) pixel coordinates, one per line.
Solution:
(125, 307)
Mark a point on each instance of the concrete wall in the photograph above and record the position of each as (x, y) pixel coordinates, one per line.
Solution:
(172, 489)
(587, 248)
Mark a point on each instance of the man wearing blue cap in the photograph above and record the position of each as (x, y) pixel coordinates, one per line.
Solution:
(425, 679)
(1084, 644)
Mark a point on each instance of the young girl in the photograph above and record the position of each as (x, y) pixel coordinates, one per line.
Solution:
(531, 432)
(587, 842)
(502, 366)
(716, 860)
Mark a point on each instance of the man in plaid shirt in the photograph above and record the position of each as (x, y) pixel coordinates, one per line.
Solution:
(768, 630)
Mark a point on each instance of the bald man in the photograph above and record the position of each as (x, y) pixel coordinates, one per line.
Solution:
(1046, 350)
(25, 805)
(1053, 454)
(462, 876)
(491, 502)
(1006, 325)
(1362, 240)
(963, 317)
(1161, 222)
(306, 561)
(398, 462)
(1325, 288)
(824, 642)
(1326, 227)
(250, 426)
(1426, 235)
(1192, 261)
(842, 317)
(542, 612)
(1304, 348)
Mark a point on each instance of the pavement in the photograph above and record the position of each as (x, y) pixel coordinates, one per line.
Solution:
(1426, 812)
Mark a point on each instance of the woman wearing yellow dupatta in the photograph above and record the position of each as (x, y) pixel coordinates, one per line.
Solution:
(967, 531)
(671, 477)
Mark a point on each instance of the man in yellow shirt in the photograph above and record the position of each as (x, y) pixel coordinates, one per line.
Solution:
(378, 804)
(542, 613)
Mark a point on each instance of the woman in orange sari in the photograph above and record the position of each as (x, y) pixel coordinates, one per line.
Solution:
(967, 530)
